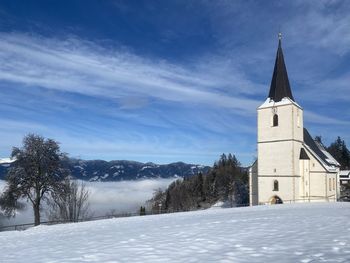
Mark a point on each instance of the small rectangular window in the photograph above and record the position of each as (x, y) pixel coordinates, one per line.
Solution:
(275, 120)
(330, 184)
(275, 185)
(333, 183)
(298, 120)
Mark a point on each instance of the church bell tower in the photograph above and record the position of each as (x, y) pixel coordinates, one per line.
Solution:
(291, 165)
(280, 138)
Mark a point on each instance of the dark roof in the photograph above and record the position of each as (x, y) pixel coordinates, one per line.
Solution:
(280, 87)
(309, 141)
(303, 155)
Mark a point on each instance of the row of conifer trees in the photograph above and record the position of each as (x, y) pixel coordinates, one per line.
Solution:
(227, 181)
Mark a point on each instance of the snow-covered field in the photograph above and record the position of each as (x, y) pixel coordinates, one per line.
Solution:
(281, 233)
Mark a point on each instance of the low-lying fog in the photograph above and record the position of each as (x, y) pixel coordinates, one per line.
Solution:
(105, 197)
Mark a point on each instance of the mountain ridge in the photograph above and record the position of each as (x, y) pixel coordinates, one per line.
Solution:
(121, 170)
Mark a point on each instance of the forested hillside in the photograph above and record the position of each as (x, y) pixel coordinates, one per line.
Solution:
(226, 181)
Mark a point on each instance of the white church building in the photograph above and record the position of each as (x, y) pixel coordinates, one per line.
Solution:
(291, 166)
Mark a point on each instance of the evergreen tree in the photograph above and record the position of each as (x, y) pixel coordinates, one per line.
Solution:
(199, 187)
(167, 199)
(142, 211)
(318, 139)
(340, 152)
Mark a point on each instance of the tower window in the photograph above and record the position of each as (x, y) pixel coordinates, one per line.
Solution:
(275, 185)
(275, 120)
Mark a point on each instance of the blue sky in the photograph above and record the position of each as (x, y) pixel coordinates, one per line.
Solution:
(167, 81)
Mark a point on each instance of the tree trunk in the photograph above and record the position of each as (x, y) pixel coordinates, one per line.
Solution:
(36, 208)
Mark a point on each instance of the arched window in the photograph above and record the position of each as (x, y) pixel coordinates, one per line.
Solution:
(275, 120)
(275, 185)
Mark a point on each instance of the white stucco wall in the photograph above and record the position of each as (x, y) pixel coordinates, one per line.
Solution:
(278, 159)
(285, 189)
(253, 184)
(288, 127)
(278, 151)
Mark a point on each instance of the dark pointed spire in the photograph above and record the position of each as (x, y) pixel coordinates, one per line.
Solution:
(280, 87)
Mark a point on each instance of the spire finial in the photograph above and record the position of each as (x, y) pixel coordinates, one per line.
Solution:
(279, 36)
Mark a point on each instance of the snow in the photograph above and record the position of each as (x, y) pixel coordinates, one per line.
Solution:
(329, 158)
(94, 179)
(328, 167)
(147, 167)
(105, 176)
(344, 173)
(6, 160)
(219, 204)
(117, 167)
(283, 233)
(271, 103)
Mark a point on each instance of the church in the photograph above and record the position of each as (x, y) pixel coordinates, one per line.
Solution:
(291, 166)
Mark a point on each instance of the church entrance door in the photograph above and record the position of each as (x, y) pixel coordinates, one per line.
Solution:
(275, 200)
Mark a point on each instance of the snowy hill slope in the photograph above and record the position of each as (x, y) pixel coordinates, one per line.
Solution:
(281, 233)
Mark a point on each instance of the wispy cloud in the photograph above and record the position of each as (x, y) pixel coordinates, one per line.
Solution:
(322, 24)
(312, 117)
(82, 67)
(121, 97)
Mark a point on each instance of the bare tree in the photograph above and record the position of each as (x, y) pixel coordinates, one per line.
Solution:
(71, 204)
(157, 201)
(1, 218)
(36, 173)
(112, 213)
